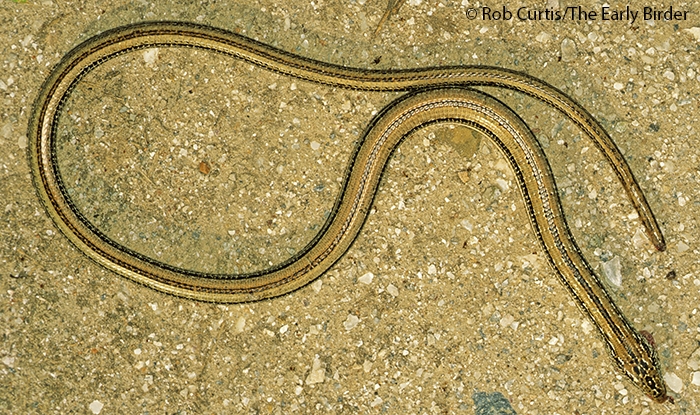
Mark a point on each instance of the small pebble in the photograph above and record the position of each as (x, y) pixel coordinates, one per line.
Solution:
(351, 322)
(376, 401)
(150, 56)
(502, 184)
(9, 361)
(568, 50)
(507, 320)
(240, 324)
(204, 167)
(681, 247)
(6, 130)
(695, 31)
(696, 379)
(674, 382)
(366, 279)
(317, 374)
(586, 326)
(694, 360)
(96, 407)
(493, 403)
(639, 240)
(612, 272)
(543, 37)
(463, 176)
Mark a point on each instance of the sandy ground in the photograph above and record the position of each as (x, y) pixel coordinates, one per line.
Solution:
(445, 303)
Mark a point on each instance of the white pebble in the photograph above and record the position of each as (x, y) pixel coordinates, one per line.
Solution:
(317, 374)
(695, 31)
(502, 184)
(367, 278)
(543, 37)
(619, 86)
(696, 379)
(351, 322)
(612, 271)
(432, 270)
(240, 324)
(467, 225)
(6, 130)
(694, 360)
(391, 289)
(674, 382)
(376, 401)
(150, 56)
(506, 320)
(22, 141)
(96, 407)
(639, 240)
(9, 361)
(682, 247)
(568, 50)
(315, 145)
